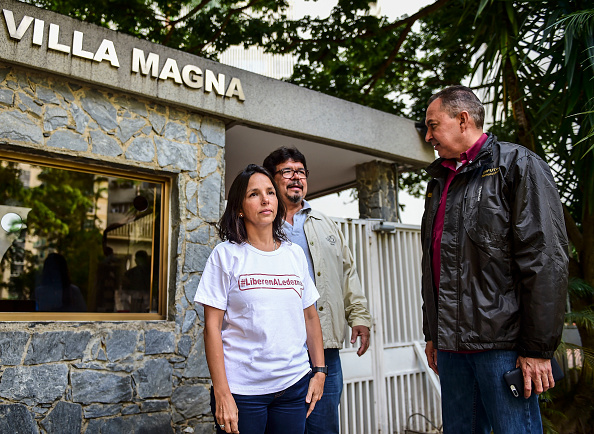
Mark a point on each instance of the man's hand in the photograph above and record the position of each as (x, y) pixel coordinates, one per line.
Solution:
(364, 333)
(537, 371)
(431, 354)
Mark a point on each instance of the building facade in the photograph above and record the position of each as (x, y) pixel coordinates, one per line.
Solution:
(113, 159)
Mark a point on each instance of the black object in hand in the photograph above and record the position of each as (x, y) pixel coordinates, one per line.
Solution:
(515, 378)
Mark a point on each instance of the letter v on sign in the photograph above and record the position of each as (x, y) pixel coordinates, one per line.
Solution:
(18, 32)
(14, 31)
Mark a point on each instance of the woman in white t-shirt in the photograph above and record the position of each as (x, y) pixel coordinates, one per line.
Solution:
(260, 317)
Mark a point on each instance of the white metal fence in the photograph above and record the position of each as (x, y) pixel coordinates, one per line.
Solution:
(390, 389)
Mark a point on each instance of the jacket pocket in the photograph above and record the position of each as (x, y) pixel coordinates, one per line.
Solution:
(487, 215)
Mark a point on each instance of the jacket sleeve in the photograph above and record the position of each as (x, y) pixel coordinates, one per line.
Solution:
(540, 255)
(355, 303)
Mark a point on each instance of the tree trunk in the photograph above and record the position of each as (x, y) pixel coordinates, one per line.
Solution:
(515, 96)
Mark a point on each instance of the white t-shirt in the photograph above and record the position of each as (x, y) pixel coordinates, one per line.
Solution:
(263, 295)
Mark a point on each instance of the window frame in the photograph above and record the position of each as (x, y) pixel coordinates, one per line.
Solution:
(97, 168)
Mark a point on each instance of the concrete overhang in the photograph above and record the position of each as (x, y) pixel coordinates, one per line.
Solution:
(335, 135)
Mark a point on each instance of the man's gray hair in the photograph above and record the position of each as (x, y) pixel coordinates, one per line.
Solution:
(456, 99)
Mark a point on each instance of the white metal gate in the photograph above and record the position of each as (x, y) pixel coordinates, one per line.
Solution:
(389, 389)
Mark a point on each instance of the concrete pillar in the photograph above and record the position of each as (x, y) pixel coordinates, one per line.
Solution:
(377, 188)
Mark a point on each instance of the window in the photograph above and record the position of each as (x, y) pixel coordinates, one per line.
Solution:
(79, 242)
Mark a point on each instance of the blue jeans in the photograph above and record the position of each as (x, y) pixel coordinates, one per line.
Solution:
(324, 418)
(475, 397)
(274, 413)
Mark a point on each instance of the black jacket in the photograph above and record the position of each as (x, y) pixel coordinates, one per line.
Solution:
(504, 255)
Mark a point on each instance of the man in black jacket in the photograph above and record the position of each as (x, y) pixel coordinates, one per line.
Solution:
(494, 270)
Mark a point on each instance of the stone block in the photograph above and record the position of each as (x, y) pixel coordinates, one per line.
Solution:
(209, 197)
(64, 90)
(200, 236)
(176, 155)
(205, 428)
(68, 140)
(81, 120)
(4, 73)
(94, 411)
(115, 425)
(17, 126)
(154, 379)
(154, 405)
(196, 257)
(12, 346)
(56, 346)
(199, 311)
(196, 366)
(47, 95)
(192, 206)
(43, 383)
(54, 118)
(6, 96)
(100, 109)
(192, 285)
(90, 387)
(158, 342)
(131, 409)
(210, 150)
(128, 127)
(191, 188)
(120, 344)
(193, 138)
(65, 418)
(159, 423)
(175, 131)
(194, 121)
(16, 418)
(184, 345)
(28, 104)
(194, 223)
(130, 103)
(189, 321)
(208, 166)
(141, 149)
(102, 144)
(157, 121)
(213, 131)
(191, 401)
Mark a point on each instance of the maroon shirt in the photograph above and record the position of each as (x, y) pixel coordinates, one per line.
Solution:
(465, 158)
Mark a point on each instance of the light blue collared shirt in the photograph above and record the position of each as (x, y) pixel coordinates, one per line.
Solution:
(296, 234)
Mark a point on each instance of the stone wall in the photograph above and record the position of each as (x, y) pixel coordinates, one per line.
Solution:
(115, 376)
(377, 190)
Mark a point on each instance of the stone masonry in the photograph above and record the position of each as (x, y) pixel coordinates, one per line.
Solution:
(115, 376)
(377, 190)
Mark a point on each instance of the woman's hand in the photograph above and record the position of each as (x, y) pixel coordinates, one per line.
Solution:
(316, 354)
(227, 415)
(315, 390)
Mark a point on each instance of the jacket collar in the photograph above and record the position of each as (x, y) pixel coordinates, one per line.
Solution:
(314, 214)
(436, 170)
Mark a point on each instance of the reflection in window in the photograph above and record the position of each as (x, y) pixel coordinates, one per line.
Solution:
(78, 242)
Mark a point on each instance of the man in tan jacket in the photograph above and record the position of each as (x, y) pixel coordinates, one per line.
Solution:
(333, 270)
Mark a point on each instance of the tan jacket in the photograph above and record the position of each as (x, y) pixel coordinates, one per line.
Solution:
(337, 281)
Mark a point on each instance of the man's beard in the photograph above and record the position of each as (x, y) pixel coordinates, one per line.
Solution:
(295, 197)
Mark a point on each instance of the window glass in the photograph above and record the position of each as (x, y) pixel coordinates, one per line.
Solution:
(74, 241)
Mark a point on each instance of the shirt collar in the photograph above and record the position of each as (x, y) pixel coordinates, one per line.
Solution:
(306, 207)
(467, 156)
